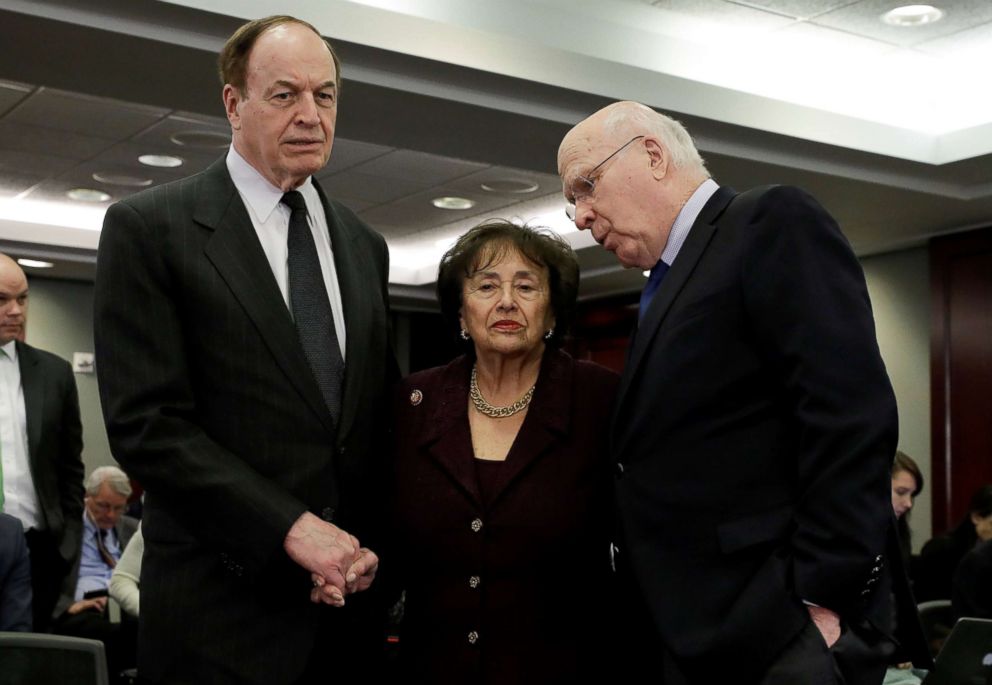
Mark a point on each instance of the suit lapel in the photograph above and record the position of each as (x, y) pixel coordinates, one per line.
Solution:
(237, 255)
(353, 273)
(34, 396)
(448, 440)
(546, 422)
(695, 245)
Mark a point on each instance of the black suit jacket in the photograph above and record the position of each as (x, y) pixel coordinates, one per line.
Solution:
(539, 544)
(211, 404)
(55, 444)
(755, 425)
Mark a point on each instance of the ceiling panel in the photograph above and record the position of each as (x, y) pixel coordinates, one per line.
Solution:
(76, 113)
(19, 137)
(348, 153)
(864, 19)
(370, 187)
(798, 9)
(426, 168)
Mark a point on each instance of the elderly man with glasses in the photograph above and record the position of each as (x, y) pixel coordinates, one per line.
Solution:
(82, 610)
(755, 425)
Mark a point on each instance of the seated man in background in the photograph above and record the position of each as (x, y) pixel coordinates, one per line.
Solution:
(15, 577)
(82, 610)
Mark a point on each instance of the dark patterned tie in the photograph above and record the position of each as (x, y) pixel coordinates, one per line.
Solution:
(311, 307)
(651, 287)
(101, 545)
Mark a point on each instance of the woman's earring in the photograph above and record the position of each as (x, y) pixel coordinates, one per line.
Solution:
(549, 334)
(464, 334)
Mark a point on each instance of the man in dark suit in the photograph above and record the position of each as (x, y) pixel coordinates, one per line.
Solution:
(754, 426)
(243, 359)
(15, 577)
(82, 609)
(41, 469)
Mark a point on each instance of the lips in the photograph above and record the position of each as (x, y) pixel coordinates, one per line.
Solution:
(507, 325)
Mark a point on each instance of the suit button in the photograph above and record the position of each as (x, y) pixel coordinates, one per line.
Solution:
(476, 525)
(473, 582)
(473, 637)
(619, 470)
(327, 514)
(343, 451)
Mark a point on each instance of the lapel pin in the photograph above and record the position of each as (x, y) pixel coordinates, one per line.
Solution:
(416, 397)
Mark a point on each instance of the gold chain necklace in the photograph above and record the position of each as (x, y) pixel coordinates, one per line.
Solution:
(484, 407)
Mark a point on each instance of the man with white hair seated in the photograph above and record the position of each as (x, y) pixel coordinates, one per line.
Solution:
(82, 609)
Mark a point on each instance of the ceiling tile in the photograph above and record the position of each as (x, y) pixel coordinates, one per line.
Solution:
(33, 163)
(47, 141)
(864, 19)
(347, 153)
(971, 45)
(168, 135)
(75, 113)
(798, 9)
(369, 187)
(725, 12)
(426, 168)
(10, 94)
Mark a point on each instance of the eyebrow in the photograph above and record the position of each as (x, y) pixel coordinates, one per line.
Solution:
(493, 274)
(283, 83)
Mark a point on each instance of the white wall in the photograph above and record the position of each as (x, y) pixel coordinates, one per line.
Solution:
(60, 320)
(899, 286)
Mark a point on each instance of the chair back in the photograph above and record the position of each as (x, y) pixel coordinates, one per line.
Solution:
(42, 659)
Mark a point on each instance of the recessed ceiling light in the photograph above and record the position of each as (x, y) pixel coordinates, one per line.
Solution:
(509, 185)
(206, 140)
(88, 195)
(452, 203)
(164, 161)
(913, 15)
(35, 263)
(121, 179)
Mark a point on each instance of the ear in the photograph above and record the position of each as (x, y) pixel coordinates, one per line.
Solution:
(976, 518)
(232, 98)
(461, 320)
(658, 156)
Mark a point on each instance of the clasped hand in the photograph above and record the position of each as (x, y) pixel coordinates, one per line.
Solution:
(338, 565)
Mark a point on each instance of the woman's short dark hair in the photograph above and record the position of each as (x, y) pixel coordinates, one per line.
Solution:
(487, 244)
(981, 501)
(904, 462)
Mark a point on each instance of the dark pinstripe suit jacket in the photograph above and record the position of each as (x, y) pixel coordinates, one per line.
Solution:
(211, 405)
(55, 442)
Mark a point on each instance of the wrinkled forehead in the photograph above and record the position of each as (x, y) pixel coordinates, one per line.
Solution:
(499, 253)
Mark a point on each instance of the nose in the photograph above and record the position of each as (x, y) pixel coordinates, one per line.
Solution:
(306, 112)
(506, 300)
(584, 214)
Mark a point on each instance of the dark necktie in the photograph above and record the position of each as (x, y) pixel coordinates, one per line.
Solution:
(311, 307)
(101, 544)
(651, 287)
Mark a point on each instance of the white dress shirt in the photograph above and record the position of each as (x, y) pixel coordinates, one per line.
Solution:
(19, 497)
(271, 221)
(686, 218)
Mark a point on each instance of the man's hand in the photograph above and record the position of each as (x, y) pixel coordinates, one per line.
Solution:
(827, 622)
(337, 563)
(94, 604)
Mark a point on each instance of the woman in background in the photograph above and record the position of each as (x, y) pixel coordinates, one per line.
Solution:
(940, 557)
(907, 483)
(503, 485)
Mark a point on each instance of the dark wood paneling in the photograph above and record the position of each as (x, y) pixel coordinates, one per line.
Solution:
(960, 371)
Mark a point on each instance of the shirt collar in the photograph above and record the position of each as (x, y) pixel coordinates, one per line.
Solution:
(11, 350)
(686, 218)
(256, 190)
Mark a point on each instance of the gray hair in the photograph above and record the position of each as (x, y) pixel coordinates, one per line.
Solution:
(112, 476)
(638, 117)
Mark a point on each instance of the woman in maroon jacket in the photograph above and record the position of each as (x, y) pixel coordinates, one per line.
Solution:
(503, 501)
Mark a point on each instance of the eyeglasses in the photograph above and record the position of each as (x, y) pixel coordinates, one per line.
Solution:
(583, 187)
(106, 507)
(490, 288)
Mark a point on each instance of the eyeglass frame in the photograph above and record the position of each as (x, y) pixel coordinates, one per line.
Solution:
(477, 291)
(570, 207)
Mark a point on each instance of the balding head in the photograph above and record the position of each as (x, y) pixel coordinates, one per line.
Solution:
(13, 300)
(629, 171)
